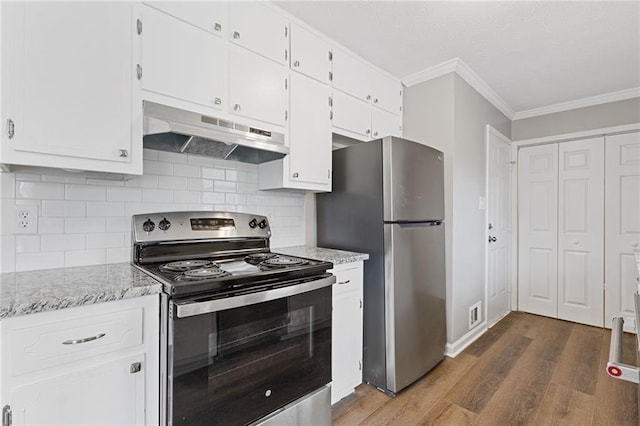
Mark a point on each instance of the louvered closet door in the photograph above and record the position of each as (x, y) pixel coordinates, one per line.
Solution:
(580, 231)
(622, 226)
(538, 230)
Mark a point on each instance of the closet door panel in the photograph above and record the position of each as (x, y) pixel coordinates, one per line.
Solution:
(538, 230)
(622, 223)
(580, 231)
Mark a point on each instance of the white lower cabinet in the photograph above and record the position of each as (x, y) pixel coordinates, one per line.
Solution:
(91, 365)
(346, 340)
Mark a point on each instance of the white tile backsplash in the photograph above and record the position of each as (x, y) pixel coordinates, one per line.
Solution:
(87, 221)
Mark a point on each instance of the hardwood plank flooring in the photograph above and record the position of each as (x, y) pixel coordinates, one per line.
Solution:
(527, 369)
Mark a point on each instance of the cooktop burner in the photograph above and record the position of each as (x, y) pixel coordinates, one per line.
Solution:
(257, 258)
(203, 274)
(283, 261)
(186, 265)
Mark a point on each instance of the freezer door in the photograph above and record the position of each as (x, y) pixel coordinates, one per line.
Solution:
(414, 300)
(413, 181)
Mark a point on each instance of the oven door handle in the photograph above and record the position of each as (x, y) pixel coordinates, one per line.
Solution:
(190, 308)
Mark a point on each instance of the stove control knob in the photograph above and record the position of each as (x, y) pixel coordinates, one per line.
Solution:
(164, 224)
(263, 224)
(253, 223)
(148, 226)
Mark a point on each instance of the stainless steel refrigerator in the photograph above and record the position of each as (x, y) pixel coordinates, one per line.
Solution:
(388, 201)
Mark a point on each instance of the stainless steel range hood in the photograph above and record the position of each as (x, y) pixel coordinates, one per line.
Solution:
(176, 130)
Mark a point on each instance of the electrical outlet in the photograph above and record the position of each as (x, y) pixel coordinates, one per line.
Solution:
(26, 218)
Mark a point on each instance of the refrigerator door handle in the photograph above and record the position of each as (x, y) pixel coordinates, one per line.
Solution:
(414, 222)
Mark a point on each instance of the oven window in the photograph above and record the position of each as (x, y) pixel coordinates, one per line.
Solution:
(238, 365)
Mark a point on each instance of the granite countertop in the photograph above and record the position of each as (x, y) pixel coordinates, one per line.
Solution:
(336, 257)
(29, 292)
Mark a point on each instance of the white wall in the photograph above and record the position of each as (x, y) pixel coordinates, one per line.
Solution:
(594, 117)
(450, 115)
(86, 221)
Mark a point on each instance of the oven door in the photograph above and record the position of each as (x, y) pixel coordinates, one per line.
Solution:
(233, 361)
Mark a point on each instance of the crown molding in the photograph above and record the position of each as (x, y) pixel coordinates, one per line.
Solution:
(579, 103)
(458, 66)
(483, 88)
(431, 73)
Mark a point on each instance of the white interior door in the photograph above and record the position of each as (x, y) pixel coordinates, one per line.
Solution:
(622, 222)
(538, 230)
(499, 224)
(580, 231)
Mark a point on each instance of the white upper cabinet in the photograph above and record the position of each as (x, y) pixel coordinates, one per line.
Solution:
(351, 114)
(310, 54)
(67, 87)
(384, 123)
(210, 16)
(260, 29)
(386, 92)
(310, 131)
(308, 165)
(257, 87)
(351, 75)
(367, 104)
(181, 60)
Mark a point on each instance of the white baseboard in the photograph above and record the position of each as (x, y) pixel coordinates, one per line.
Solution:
(452, 350)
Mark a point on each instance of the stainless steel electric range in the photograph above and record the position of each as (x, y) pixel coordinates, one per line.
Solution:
(246, 333)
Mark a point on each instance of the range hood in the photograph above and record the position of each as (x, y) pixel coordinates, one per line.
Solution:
(176, 130)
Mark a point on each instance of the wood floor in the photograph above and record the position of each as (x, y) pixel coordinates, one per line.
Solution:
(525, 370)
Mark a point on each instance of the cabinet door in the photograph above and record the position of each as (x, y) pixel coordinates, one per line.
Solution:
(346, 354)
(104, 394)
(384, 123)
(182, 61)
(257, 87)
(386, 93)
(351, 75)
(310, 131)
(351, 114)
(260, 29)
(309, 54)
(209, 16)
(73, 74)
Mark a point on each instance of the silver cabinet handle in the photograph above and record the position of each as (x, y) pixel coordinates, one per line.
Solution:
(11, 128)
(135, 367)
(375, 101)
(296, 174)
(123, 153)
(343, 282)
(296, 64)
(368, 97)
(236, 35)
(575, 242)
(368, 131)
(237, 107)
(217, 27)
(217, 101)
(375, 133)
(84, 340)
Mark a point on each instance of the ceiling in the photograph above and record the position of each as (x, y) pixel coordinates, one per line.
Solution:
(532, 54)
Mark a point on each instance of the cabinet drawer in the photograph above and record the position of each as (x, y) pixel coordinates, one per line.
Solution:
(347, 280)
(44, 345)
